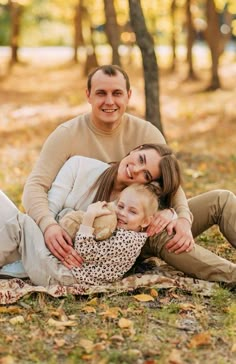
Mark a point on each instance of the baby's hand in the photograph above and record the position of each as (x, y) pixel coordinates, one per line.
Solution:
(98, 208)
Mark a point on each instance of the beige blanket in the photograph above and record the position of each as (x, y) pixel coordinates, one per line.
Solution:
(160, 277)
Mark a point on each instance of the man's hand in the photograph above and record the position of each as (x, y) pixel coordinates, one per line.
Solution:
(182, 240)
(60, 245)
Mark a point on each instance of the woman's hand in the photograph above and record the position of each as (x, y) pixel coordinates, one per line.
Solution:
(160, 221)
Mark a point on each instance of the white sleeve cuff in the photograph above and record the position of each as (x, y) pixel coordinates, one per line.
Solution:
(86, 230)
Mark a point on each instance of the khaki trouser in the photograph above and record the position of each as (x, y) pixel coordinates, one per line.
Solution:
(21, 237)
(210, 208)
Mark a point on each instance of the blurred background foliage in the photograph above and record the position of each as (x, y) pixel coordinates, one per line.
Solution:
(46, 23)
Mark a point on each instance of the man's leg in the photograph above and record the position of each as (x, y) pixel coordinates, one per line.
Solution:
(217, 207)
(199, 263)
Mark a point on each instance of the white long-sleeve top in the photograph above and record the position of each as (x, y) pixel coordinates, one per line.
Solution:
(71, 186)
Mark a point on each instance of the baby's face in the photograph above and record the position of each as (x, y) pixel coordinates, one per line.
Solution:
(130, 210)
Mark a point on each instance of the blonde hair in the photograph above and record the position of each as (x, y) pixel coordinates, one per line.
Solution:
(151, 191)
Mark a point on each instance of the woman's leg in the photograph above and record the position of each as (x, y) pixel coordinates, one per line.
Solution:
(9, 231)
(217, 207)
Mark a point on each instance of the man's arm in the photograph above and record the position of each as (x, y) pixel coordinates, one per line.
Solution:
(56, 150)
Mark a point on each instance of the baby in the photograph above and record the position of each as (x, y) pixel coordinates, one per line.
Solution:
(108, 260)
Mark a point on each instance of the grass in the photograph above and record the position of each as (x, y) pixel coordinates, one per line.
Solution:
(174, 328)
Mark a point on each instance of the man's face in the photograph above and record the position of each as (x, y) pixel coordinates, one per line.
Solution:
(108, 98)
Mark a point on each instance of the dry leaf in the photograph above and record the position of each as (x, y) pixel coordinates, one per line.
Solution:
(143, 297)
(153, 293)
(89, 309)
(233, 349)
(112, 312)
(59, 342)
(125, 323)
(203, 338)
(93, 302)
(87, 345)
(175, 357)
(7, 360)
(17, 320)
(70, 323)
(10, 309)
(118, 338)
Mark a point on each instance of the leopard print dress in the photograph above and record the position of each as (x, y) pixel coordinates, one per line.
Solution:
(107, 260)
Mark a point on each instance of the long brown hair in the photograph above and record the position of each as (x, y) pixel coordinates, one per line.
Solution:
(169, 180)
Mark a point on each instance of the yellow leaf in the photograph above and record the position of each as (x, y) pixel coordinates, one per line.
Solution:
(11, 309)
(233, 349)
(153, 293)
(93, 301)
(125, 323)
(52, 322)
(112, 312)
(118, 338)
(59, 342)
(89, 309)
(203, 338)
(175, 357)
(17, 320)
(8, 360)
(87, 345)
(143, 297)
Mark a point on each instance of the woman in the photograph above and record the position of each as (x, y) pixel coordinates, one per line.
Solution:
(80, 182)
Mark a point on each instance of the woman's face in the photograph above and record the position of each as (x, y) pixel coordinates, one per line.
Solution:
(140, 166)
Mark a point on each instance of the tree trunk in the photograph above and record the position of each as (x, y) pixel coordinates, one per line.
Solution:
(112, 30)
(78, 34)
(213, 37)
(190, 41)
(146, 45)
(15, 14)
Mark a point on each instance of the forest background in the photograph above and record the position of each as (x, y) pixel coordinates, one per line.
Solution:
(181, 58)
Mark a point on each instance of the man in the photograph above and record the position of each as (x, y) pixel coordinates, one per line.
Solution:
(108, 133)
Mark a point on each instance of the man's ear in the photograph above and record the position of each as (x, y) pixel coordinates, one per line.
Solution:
(87, 94)
(129, 93)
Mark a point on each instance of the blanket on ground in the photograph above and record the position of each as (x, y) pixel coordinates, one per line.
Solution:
(161, 276)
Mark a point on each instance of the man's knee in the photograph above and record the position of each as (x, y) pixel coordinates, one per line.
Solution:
(154, 245)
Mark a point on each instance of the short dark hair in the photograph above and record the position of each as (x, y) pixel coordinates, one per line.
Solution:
(109, 70)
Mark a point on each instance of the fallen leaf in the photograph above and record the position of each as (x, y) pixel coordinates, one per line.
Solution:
(87, 345)
(143, 297)
(69, 323)
(233, 349)
(93, 302)
(112, 312)
(89, 309)
(175, 357)
(125, 323)
(10, 309)
(17, 320)
(7, 360)
(201, 339)
(118, 338)
(59, 342)
(153, 293)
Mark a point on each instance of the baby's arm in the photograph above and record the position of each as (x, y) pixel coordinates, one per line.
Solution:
(94, 210)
